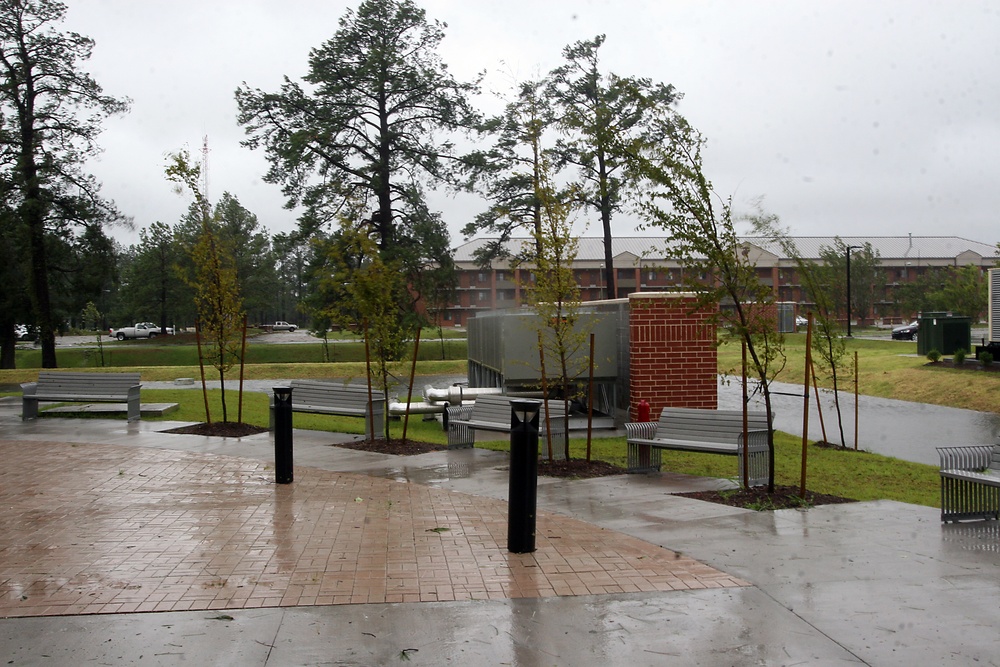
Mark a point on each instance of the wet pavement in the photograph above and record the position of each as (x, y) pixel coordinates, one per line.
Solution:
(902, 429)
(877, 583)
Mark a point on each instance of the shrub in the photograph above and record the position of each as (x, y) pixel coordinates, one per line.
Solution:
(934, 355)
(959, 356)
(986, 358)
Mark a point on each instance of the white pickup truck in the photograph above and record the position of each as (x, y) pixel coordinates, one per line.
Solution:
(140, 330)
(283, 326)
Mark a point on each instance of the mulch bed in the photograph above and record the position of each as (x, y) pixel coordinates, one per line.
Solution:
(577, 469)
(784, 497)
(219, 429)
(823, 444)
(394, 446)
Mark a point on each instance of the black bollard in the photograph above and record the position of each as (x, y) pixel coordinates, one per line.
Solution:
(283, 435)
(522, 497)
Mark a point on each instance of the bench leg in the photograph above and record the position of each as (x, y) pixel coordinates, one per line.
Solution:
(379, 423)
(134, 409)
(759, 469)
(965, 499)
(640, 461)
(643, 453)
(460, 436)
(556, 445)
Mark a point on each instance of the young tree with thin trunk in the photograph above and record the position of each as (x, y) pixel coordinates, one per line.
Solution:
(217, 297)
(555, 297)
(358, 290)
(828, 338)
(718, 267)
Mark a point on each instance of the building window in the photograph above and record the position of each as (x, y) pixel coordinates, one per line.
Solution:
(482, 277)
(651, 276)
(484, 296)
(500, 275)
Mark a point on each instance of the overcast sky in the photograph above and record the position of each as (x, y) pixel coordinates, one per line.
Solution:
(848, 118)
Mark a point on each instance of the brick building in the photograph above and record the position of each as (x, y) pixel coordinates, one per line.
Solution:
(642, 264)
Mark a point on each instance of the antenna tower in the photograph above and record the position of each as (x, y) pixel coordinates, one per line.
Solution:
(204, 169)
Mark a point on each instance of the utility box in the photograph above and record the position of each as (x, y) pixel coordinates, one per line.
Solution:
(944, 332)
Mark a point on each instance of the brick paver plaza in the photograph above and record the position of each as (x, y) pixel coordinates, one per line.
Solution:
(94, 529)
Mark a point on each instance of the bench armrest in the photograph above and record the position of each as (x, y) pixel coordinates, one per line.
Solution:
(459, 412)
(755, 439)
(967, 457)
(641, 430)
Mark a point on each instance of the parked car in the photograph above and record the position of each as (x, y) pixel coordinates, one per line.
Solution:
(283, 326)
(907, 332)
(801, 321)
(140, 330)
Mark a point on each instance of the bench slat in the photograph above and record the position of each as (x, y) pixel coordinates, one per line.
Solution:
(692, 445)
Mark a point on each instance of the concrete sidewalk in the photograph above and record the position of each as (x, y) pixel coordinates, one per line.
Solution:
(880, 583)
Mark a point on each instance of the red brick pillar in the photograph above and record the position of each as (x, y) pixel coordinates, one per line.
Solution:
(672, 353)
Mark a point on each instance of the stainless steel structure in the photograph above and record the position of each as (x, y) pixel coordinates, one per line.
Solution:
(504, 354)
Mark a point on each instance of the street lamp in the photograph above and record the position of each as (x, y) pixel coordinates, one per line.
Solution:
(849, 249)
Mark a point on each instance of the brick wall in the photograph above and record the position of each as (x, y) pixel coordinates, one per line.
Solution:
(672, 353)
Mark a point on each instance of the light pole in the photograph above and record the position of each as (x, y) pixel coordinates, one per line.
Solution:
(849, 249)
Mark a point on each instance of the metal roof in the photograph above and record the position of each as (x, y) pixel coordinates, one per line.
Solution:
(591, 248)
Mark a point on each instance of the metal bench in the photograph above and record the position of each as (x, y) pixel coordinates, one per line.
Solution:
(698, 430)
(491, 412)
(970, 482)
(326, 397)
(67, 387)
